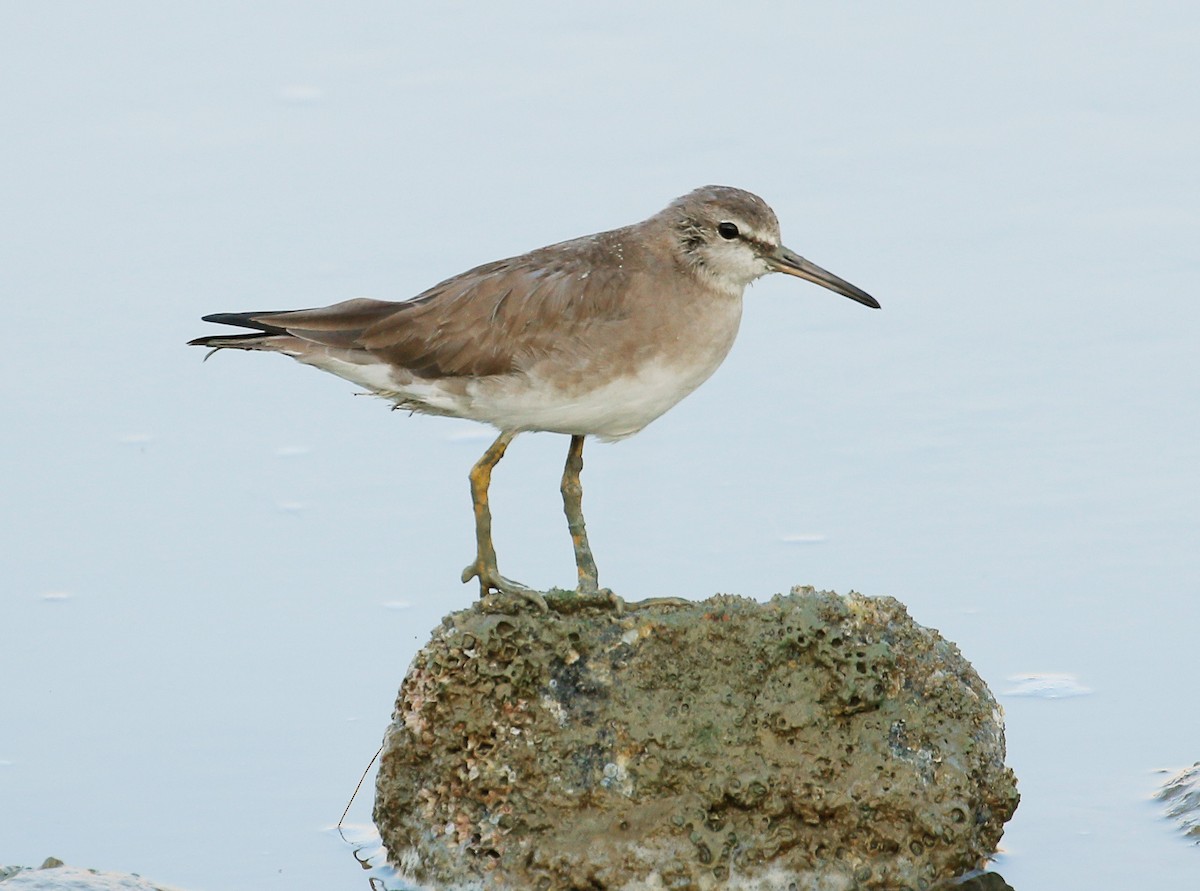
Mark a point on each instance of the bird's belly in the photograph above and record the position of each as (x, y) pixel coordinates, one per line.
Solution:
(610, 393)
(611, 409)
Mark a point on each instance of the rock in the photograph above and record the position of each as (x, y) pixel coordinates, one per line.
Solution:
(53, 875)
(1181, 792)
(815, 741)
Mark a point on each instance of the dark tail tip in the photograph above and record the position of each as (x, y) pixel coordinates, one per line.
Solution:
(245, 320)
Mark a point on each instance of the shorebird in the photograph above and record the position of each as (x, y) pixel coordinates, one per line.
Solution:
(597, 336)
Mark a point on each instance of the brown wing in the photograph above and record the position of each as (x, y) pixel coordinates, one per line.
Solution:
(494, 319)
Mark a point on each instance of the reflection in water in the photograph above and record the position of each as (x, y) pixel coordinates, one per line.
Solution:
(984, 881)
(367, 848)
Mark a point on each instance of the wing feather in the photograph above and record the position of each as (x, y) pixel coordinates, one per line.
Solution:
(494, 319)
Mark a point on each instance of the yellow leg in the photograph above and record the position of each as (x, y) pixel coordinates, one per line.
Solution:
(484, 568)
(572, 494)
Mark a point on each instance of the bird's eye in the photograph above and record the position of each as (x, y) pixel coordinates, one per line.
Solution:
(727, 230)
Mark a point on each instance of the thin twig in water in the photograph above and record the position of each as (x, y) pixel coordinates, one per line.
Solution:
(355, 794)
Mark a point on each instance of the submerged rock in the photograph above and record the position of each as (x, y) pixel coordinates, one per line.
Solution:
(1181, 792)
(815, 741)
(54, 875)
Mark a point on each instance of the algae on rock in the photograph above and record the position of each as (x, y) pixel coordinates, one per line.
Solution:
(816, 739)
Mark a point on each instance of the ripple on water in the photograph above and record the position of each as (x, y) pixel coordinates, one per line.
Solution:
(367, 847)
(1045, 685)
(301, 94)
(292, 451)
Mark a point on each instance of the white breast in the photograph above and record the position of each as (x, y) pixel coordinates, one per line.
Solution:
(612, 410)
(596, 402)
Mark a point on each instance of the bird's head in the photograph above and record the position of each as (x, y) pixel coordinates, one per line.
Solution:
(732, 236)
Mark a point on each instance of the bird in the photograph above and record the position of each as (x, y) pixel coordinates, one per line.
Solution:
(596, 336)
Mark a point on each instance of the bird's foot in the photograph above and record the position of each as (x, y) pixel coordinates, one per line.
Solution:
(491, 580)
(584, 597)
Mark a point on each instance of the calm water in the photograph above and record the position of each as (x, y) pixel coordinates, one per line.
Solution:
(215, 575)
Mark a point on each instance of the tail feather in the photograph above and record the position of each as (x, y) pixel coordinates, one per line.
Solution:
(239, 341)
(245, 320)
(263, 336)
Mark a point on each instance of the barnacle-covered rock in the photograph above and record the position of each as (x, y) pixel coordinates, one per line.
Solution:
(814, 741)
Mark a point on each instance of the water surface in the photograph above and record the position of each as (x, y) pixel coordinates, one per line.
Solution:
(216, 574)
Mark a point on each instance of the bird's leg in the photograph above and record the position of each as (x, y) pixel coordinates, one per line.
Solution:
(484, 568)
(572, 494)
